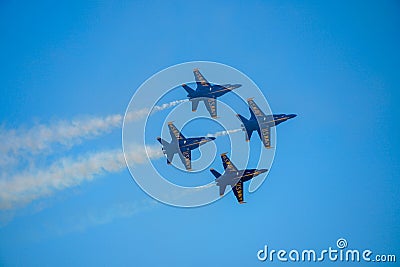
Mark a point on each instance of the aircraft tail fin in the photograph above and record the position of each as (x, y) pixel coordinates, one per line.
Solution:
(245, 126)
(253, 116)
(163, 142)
(215, 173)
(189, 90)
(166, 149)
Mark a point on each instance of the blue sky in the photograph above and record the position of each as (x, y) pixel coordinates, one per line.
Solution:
(336, 166)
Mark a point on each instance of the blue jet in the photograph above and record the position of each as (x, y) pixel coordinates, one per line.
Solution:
(261, 123)
(181, 145)
(234, 177)
(207, 92)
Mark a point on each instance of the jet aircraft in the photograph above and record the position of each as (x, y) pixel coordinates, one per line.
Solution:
(234, 177)
(181, 145)
(207, 92)
(261, 123)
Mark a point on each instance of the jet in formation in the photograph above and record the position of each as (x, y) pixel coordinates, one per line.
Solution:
(234, 177)
(207, 93)
(181, 145)
(261, 123)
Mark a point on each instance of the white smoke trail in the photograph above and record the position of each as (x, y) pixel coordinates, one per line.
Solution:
(99, 216)
(21, 146)
(221, 133)
(167, 105)
(140, 114)
(41, 137)
(29, 185)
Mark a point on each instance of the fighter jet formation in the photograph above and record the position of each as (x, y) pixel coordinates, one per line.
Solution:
(258, 121)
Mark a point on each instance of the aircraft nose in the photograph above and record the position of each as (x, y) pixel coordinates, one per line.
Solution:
(210, 138)
(262, 170)
(291, 116)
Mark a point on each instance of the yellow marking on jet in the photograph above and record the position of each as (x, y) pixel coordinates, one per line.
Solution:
(249, 174)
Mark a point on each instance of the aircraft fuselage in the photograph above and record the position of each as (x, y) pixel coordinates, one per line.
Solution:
(233, 177)
(211, 91)
(189, 143)
(268, 121)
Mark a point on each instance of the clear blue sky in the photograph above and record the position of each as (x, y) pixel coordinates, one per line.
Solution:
(336, 169)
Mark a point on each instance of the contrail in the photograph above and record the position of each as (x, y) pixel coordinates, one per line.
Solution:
(24, 187)
(101, 215)
(40, 137)
(206, 186)
(221, 133)
(141, 113)
(23, 145)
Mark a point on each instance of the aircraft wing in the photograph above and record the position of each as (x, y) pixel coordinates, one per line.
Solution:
(200, 80)
(228, 165)
(265, 135)
(211, 105)
(186, 157)
(256, 110)
(175, 133)
(238, 191)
